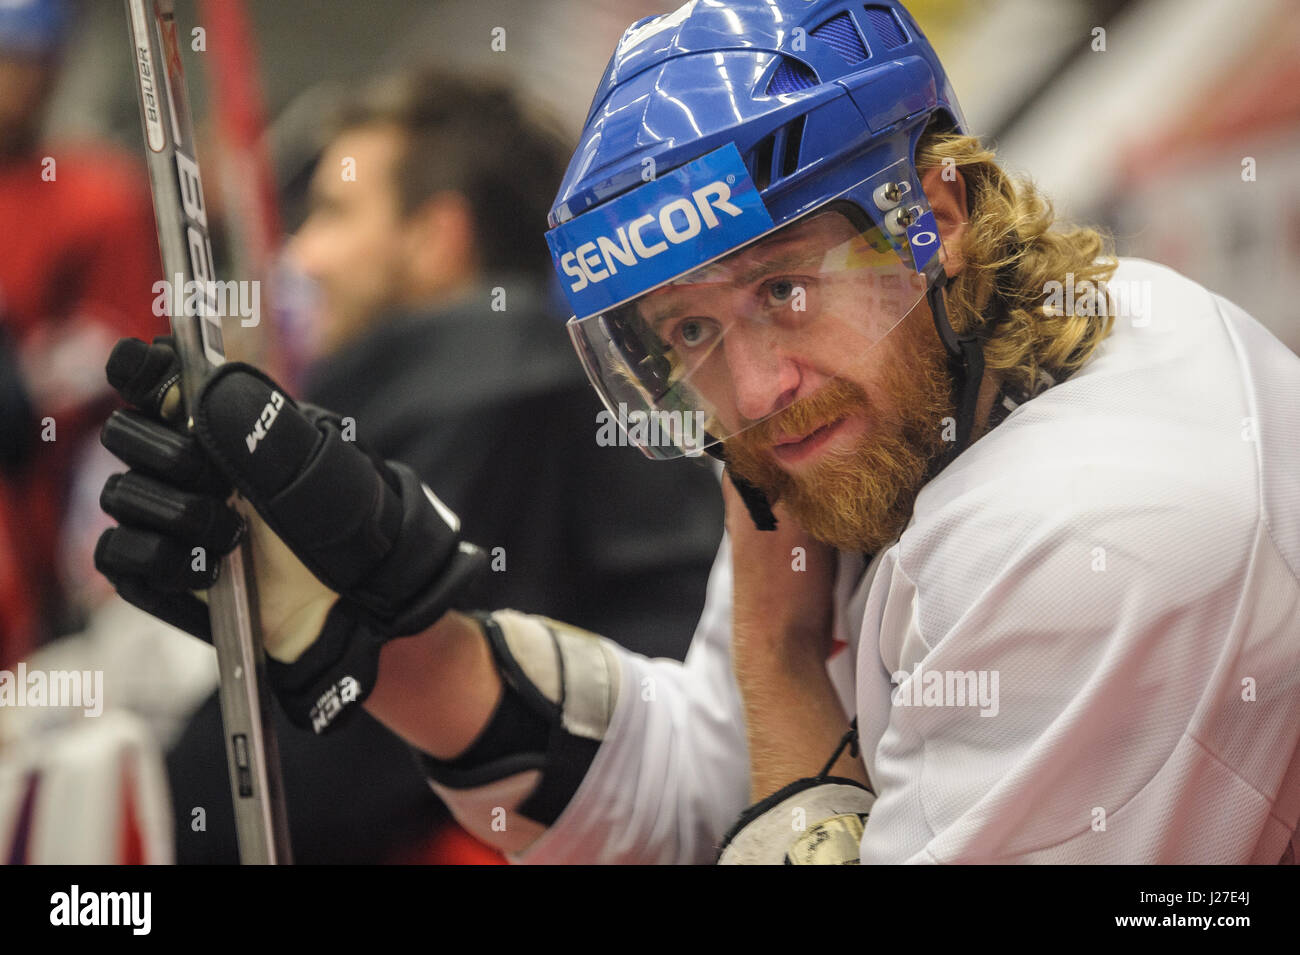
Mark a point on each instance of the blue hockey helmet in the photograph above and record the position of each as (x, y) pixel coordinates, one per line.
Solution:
(745, 177)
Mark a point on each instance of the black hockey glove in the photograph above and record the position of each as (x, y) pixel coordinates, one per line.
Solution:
(349, 551)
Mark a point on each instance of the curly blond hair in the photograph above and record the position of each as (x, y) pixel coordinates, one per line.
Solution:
(1013, 252)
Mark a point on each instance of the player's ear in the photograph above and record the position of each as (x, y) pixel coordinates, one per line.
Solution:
(945, 188)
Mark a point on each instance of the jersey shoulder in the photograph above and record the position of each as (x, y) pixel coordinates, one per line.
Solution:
(1137, 464)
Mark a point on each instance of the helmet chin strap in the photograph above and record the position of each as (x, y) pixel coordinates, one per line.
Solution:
(965, 363)
(760, 510)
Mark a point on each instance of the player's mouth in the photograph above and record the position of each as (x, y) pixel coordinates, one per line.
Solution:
(795, 449)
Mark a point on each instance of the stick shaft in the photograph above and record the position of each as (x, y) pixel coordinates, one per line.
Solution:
(251, 750)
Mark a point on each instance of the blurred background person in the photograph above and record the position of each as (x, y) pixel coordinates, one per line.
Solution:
(436, 332)
(78, 257)
(440, 335)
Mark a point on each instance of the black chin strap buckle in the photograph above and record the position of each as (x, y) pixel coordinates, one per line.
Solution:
(760, 510)
(756, 502)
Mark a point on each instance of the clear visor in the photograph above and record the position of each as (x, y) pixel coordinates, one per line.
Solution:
(713, 352)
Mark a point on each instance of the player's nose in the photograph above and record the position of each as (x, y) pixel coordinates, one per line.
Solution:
(763, 379)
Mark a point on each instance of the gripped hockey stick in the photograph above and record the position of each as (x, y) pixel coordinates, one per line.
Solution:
(251, 751)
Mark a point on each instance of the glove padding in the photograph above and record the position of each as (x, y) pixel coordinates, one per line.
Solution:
(814, 821)
(349, 550)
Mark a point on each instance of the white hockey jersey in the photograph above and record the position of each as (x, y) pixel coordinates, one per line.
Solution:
(1093, 622)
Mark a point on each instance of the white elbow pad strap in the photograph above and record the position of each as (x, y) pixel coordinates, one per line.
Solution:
(560, 689)
(814, 821)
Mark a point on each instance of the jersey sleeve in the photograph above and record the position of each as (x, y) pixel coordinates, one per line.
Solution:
(672, 772)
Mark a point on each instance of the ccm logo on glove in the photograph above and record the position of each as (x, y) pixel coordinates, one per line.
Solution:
(330, 704)
(264, 421)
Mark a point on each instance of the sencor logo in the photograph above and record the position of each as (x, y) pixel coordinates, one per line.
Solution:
(678, 221)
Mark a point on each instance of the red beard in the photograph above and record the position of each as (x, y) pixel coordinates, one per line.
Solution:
(861, 497)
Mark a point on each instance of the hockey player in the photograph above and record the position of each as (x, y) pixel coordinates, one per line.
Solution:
(1021, 578)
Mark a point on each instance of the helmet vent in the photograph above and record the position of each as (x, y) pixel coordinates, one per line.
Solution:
(842, 36)
(885, 27)
(776, 155)
(790, 77)
(790, 150)
(761, 164)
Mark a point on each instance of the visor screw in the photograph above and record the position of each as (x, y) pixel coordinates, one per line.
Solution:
(887, 196)
(899, 219)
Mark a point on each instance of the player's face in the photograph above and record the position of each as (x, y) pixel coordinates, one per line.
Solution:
(810, 353)
(768, 328)
(352, 243)
(847, 463)
(846, 401)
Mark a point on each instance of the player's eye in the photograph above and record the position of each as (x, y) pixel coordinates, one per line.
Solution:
(694, 332)
(783, 293)
(780, 291)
